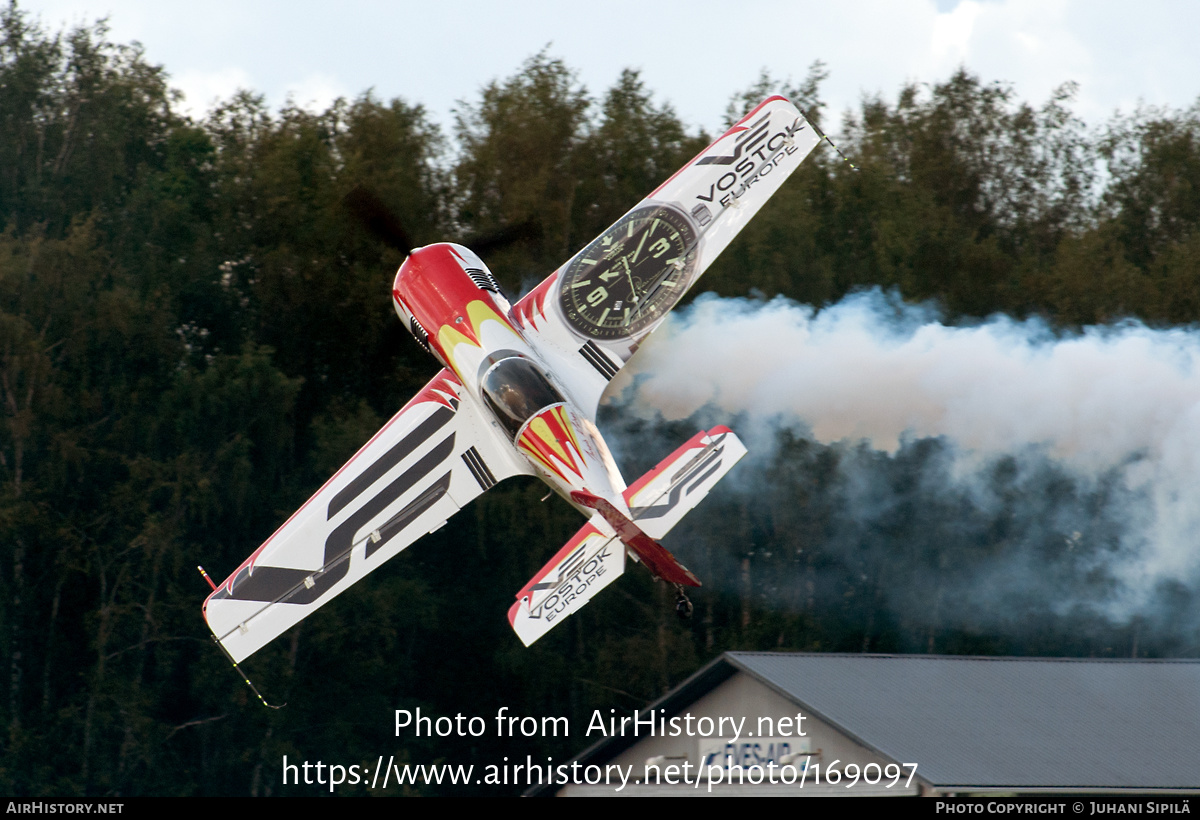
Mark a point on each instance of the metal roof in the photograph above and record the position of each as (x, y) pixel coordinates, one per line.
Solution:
(998, 722)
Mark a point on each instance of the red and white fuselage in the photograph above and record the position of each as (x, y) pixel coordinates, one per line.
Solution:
(449, 300)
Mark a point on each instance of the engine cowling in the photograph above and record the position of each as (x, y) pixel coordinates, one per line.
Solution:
(444, 294)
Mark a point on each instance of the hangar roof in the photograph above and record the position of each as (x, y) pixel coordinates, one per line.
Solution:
(971, 721)
(986, 722)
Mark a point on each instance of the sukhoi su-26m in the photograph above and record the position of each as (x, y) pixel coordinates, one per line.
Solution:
(517, 395)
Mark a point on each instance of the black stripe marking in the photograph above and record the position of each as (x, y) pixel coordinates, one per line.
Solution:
(704, 459)
(703, 478)
(746, 140)
(406, 516)
(420, 334)
(697, 463)
(602, 357)
(479, 469)
(390, 459)
(287, 585)
(573, 562)
(484, 280)
(596, 358)
(473, 467)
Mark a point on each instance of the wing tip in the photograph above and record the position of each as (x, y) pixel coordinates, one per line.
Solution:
(763, 104)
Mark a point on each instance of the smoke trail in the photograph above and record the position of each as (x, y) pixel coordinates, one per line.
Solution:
(1113, 410)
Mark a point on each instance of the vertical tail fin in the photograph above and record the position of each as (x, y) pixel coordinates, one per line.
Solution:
(651, 553)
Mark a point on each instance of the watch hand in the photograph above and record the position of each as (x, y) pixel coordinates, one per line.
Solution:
(660, 280)
(633, 294)
(639, 247)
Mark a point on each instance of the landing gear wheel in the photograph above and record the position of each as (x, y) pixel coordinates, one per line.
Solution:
(683, 606)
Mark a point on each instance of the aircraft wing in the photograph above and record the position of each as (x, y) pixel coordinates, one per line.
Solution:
(439, 452)
(590, 315)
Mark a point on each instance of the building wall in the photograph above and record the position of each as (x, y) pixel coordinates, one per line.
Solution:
(744, 698)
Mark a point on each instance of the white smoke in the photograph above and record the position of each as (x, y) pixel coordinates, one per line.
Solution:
(1124, 398)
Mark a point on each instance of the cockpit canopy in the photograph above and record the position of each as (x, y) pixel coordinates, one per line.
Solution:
(515, 390)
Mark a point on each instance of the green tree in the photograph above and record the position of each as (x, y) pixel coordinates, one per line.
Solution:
(518, 161)
(81, 115)
(634, 148)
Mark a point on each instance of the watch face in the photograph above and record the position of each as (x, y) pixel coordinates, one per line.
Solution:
(631, 275)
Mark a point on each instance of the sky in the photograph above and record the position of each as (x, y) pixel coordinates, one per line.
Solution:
(692, 55)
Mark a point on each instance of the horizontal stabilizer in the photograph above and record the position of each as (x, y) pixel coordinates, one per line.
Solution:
(587, 564)
(660, 498)
(592, 560)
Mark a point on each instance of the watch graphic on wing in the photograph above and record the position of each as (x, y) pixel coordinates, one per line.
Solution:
(631, 275)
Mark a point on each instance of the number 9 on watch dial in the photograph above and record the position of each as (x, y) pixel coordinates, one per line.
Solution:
(631, 275)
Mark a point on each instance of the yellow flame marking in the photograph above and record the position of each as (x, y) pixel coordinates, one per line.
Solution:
(541, 429)
(478, 312)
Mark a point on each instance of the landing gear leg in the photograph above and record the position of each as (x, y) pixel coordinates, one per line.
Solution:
(683, 606)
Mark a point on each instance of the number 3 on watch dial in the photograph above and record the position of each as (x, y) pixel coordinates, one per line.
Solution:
(630, 276)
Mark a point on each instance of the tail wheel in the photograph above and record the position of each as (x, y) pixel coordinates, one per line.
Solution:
(683, 605)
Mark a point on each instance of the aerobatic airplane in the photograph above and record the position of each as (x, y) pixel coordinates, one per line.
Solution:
(517, 395)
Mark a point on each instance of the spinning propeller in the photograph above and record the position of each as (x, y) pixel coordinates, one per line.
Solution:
(383, 223)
